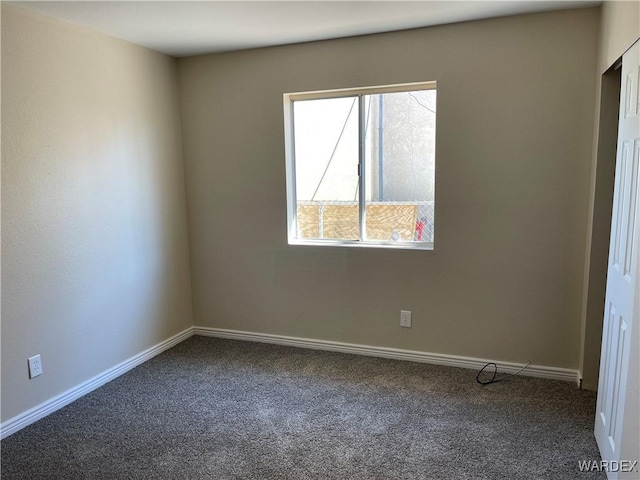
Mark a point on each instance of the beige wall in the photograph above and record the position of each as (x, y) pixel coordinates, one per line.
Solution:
(599, 228)
(514, 145)
(619, 29)
(94, 240)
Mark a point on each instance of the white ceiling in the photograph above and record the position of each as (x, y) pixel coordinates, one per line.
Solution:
(183, 28)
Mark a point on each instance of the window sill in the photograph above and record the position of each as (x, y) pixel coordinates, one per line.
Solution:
(368, 244)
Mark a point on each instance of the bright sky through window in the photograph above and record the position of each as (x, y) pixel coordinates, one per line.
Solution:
(364, 164)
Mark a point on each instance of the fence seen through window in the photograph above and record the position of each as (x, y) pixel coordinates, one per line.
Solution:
(362, 166)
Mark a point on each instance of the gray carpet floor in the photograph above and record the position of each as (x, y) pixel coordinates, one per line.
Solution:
(223, 409)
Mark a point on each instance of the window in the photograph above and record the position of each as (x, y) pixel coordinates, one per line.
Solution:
(361, 165)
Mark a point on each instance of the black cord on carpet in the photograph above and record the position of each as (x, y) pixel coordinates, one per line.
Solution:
(495, 372)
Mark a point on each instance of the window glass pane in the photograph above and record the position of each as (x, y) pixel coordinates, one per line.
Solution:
(400, 166)
(326, 164)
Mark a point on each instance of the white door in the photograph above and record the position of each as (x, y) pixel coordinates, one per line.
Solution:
(622, 280)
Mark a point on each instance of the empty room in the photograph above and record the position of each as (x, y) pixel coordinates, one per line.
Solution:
(320, 240)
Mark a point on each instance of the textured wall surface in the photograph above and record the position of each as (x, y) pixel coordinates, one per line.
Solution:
(514, 143)
(94, 238)
(619, 29)
(600, 228)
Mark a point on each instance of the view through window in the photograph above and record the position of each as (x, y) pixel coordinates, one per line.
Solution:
(361, 166)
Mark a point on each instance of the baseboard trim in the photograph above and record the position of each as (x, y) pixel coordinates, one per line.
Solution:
(539, 371)
(30, 416)
(40, 411)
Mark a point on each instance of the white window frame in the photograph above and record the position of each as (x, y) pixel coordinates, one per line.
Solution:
(292, 217)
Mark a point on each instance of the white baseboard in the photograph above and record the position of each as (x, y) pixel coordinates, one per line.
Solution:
(30, 416)
(20, 421)
(393, 353)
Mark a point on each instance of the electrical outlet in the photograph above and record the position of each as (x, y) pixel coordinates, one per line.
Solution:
(405, 318)
(35, 366)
